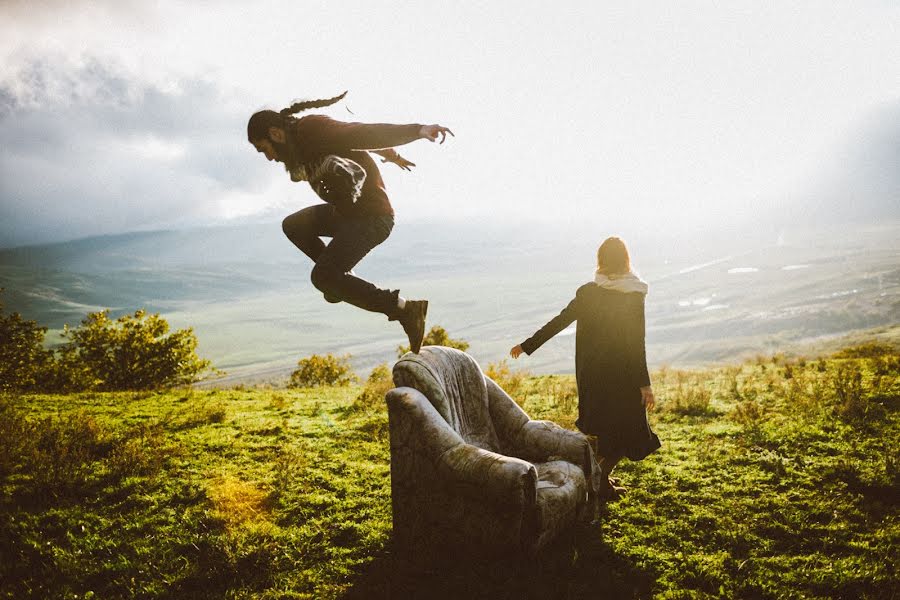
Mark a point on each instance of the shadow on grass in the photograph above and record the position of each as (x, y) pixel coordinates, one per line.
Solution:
(583, 567)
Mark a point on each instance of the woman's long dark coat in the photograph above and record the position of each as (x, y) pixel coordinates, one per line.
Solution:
(610, 367)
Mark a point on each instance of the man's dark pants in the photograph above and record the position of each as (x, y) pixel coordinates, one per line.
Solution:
(351, 239)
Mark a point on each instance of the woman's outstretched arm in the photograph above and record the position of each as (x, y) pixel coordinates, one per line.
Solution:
(553, 326)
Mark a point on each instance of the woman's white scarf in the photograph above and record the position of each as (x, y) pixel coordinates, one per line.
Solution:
(627, 282)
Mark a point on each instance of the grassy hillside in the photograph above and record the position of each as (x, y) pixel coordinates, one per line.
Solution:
(776, 479)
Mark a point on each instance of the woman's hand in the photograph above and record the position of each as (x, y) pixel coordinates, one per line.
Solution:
(647, 397)
(516, 351)
(431, 132)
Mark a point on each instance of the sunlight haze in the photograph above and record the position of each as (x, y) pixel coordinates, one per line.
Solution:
(126, 116)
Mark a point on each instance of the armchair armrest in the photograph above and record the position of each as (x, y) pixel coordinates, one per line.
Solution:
(475, 472)
(480, 473)
(548, 439)
(535, 440)
(416, 424)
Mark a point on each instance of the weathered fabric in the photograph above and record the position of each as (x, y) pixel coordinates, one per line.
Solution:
(455, 385)
(469, 470)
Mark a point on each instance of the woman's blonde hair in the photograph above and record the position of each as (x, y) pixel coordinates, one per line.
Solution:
(612, 257)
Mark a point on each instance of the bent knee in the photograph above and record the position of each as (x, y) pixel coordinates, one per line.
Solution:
(323, 278)
(292, 226)
(299, 225)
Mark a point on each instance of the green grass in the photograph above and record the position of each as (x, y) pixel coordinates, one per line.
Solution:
(776, 479)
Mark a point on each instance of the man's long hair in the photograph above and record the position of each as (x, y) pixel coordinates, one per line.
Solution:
(260, 122)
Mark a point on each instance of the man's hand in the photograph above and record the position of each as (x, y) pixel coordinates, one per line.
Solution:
(516, 351)
(399, 161)
(647, 397)
(431, 132)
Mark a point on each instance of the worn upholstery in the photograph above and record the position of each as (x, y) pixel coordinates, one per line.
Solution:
(470, 471)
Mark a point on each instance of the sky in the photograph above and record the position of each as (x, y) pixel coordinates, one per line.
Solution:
(122, 116)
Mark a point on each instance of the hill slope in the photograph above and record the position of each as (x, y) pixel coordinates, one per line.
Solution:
(776, 479)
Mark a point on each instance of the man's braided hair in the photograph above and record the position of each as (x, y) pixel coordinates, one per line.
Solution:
(307, 104)
(259, 123)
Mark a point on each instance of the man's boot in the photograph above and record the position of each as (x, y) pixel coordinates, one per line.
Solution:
(412, 317)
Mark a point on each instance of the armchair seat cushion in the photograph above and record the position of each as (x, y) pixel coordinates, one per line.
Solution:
(561, 495)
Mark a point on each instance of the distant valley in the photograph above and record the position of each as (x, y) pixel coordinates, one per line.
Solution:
(246, 293)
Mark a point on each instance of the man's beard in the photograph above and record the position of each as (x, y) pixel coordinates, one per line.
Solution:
(286, 155)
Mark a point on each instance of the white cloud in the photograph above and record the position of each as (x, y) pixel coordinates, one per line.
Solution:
(660, 114)
(115, 155)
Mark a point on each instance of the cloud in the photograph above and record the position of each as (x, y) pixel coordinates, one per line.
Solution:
(89, 150)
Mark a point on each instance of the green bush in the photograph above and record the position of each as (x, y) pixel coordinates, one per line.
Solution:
(437, 336)
(24, 362)
(63, 451)
(688, 395)
(867, 350)
(133, 352)
(318, 370)
(511, 381)
(378, 384)
(141, 450)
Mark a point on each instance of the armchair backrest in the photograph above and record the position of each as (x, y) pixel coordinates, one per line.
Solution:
(454, 384)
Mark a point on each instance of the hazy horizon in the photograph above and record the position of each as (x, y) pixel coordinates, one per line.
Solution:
(248, 297)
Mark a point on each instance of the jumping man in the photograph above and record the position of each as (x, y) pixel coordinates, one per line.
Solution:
(334, 157)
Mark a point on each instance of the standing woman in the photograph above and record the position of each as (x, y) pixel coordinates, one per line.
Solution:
(334, 158)
(614, 389)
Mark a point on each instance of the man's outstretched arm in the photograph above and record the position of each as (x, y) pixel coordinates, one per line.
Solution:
(328, 135)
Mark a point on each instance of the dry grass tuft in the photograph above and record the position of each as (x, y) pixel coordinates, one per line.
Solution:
(238, 502)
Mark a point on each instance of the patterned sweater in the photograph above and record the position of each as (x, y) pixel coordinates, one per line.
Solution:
(317, 136)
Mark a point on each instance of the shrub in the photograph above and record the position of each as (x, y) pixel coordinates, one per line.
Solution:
(511, 381)
(24, 362)
(562, 391)
(867, 350)
(134, 352)
(689, 399)
(849, 391)
(688, 396)
(788, 371)
(140, 450)
(802, 393)
(886, 366)
(748, 413)
(377, 385)
(64, 450)
(318, 370)
(56, 453)
(437, 336)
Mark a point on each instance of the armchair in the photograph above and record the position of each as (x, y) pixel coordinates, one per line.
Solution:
(470, 471)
